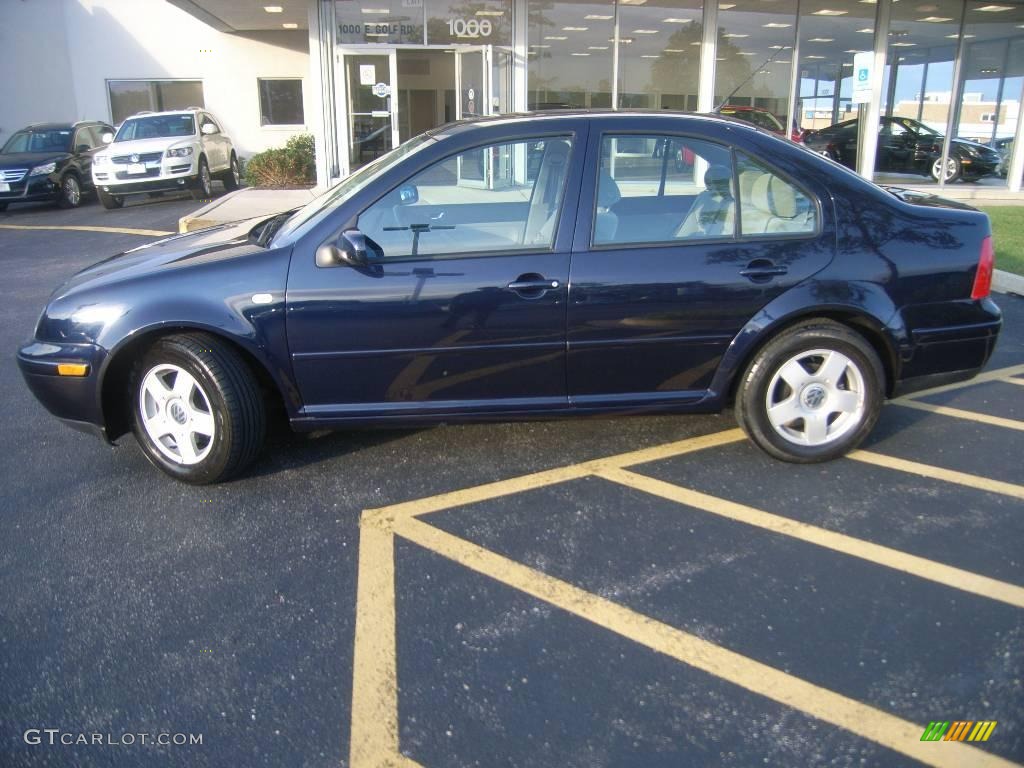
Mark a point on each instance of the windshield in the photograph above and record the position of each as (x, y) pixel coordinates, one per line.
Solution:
(314, 211)
(52, 140)
(156, 127)
(919, 128)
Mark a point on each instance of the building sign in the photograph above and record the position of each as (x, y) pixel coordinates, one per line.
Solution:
(419, 22)
(862, 81)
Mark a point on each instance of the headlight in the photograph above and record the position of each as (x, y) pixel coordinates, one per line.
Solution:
(179, 152)
(42, 170)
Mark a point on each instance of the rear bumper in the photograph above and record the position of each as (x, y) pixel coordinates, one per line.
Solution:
(72, 399)
(945, 354)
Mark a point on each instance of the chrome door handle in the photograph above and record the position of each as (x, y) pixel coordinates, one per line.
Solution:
(533, 285)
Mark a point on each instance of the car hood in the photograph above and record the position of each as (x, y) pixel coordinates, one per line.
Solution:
(29, 159)
(225, 241)
(141, 146)
(981, 147)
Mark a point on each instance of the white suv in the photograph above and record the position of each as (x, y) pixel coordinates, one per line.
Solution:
(157, 152)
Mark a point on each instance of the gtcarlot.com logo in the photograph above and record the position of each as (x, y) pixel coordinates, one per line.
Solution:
(56, 737)
(958, 730)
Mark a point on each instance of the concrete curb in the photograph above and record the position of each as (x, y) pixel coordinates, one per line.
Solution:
(245, 204)
(1007, 282)
(198, 220)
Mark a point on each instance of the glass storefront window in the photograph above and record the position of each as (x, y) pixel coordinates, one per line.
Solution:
(993, 85)
(754, 58)
(424, 22)
(569, 54)
(659, 55)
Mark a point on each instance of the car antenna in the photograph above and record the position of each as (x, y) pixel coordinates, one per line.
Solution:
(751, 77)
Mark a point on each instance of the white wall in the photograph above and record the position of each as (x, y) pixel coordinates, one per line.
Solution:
(80, 44)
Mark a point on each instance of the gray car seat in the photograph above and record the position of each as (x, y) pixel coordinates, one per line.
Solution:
(714, 210)
(607, 223)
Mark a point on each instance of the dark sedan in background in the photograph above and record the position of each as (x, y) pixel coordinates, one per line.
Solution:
(906, 146)
(601, 279)
(50, 162)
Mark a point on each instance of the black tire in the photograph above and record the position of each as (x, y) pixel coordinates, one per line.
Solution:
(202, 187)
(807, 337)
(109, 201)
(958, 169)
(235, 403)
(232, 177)
(70, 194)
(3, 207)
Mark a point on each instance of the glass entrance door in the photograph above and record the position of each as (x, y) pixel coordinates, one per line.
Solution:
(472, 81)
(368, 105)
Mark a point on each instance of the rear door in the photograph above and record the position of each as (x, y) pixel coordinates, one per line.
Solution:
(461, 307)
(664, 274)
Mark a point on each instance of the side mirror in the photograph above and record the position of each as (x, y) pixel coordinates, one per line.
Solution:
(209, 129)
(82, 148)
(350, 249)
(408, 195)
(107, 137)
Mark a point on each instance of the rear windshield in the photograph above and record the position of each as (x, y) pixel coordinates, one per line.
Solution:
(156, 127)
(52, 140)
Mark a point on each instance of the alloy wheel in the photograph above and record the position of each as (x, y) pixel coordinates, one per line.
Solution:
(176, 414)
(72, 191)
(816, 397)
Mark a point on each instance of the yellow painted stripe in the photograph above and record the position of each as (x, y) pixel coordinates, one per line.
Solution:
(957, 413)
(374, 736)
(861, 719)
(551, 476)
(981, 378)
(921, 567)
(978, 729)
(939, 473)
(83, 228)
(988, 731)
(1011, 380)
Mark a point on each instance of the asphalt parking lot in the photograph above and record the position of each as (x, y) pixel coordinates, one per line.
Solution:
(618, 592)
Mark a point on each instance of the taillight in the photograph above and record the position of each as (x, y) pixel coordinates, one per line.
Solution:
(983, 277)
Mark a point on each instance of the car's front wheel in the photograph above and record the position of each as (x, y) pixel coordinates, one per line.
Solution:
(203, 186)
(109, 201)
(70, 195)
(811, 394)
(198, 412)
(953, 169)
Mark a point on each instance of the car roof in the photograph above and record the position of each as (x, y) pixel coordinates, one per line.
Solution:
(49, 126)
(556, 115)
(166, 112)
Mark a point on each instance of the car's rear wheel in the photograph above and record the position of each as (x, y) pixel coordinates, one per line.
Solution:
(3, 207)
(109, 201)
(70, 195)
(953, 169)
(811, 394)
(232, 177)
(198, 412)
(203, 187)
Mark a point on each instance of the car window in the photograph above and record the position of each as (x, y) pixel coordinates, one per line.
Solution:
(769, 204)
(40, 140)
(501, 197)
(156, 127)
(83, 137)
(663, 189)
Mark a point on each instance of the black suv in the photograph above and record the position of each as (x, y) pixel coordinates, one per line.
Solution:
(50, 161)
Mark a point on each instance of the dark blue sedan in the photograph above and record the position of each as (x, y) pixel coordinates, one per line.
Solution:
(528, 267)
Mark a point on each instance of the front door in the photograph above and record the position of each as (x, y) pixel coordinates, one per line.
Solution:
(368, 105)
(461, 304)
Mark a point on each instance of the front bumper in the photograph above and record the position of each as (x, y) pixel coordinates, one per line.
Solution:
(171, 173)
(32, 189)
(72, 399)
(975, 168)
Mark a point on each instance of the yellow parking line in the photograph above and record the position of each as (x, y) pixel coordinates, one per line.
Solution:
(921, 567)
(1011, 380)
(939, 473)
(83, 228)
(861, 719)
(957, 413)
(374, 737)
(981, 378)
(551, 476)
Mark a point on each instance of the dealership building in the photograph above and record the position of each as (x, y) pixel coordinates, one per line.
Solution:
(365, 75)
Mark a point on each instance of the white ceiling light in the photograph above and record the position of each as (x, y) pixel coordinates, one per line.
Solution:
(579, 54)
(555, 37)
(632, 2)
(597, 17)
(955, 36)
(726, 6)
(746, 53)
(993, 8)
(375, 10)
(645, 31)
(598, 47)
(821, 40)
(674, 50)
(655, 56)
(902, 45)
(814, 57)
(866, 30)
(532, 45)
(829, 12)
(734, 34)
(273, 8)
(674, 20)
(936, 19)
(290, 25)
(575, 29)
(490, 13)
(776, 25)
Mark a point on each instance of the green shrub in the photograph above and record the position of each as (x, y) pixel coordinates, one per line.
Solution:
(293, 165)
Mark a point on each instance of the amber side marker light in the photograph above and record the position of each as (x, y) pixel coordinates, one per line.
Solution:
(72, 369)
